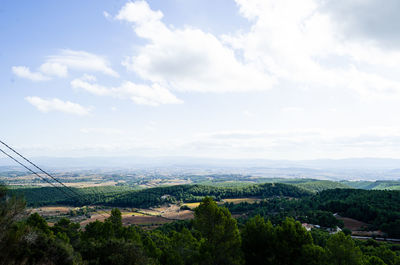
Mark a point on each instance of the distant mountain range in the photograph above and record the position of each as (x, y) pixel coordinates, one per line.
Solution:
(350, 163)
(336, 169)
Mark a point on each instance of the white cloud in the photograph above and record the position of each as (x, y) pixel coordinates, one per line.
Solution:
(81, 61)
(58, 65)
(248, 113)
(187, 59)
(107, 131)
(54, 69)
(153, 95)
(298, 144)
(106, 14)
(291, 144)
(139, 12)
(86, 83)
(298, 42)
(25, 72)
(55, 104)
(292, 109)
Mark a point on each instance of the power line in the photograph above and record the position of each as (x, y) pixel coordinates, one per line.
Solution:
(33, 172)
(75, 194)
(62, 184)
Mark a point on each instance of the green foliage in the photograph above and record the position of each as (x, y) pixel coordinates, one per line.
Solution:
(38, 222)
(374, 185)
(121, 197)
(287, 243)
(374, 261)
(320, 185)
(53, 196)
(30, 241)
(383, 251)
(277, 209)
(342, 250)
(115, 218)
(221, 245)
(212, 237)
(11, 208)
(381, 209)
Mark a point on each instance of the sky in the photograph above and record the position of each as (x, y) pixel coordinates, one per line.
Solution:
(247, 79)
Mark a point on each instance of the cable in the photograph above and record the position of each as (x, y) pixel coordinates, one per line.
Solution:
(30, 170)
(62, 184)
(33, 164)
(33, 172)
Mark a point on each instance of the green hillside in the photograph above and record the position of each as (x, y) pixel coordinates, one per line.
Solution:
(320, 185)
(374, 185)
(119, 196)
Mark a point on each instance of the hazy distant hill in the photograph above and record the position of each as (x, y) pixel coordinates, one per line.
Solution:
(103, 161)
(326, 169)
(374, 185)
(320, 185)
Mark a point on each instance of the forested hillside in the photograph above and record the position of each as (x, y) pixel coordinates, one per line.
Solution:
(212, 237)
(379, 209)
(81, 196)
(320, 185)
(374, 185)
(192, 193)
(116, 196)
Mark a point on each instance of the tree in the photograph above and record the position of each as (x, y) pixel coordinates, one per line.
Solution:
(313, 255)
(115, 218)
(290, 239)
(374, 261)
(11, 210)
(38, 222)
(221, 244)
(342, 250)
(258, 241)
(186, 246)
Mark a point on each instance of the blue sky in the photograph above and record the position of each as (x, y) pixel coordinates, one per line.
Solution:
(229, 79)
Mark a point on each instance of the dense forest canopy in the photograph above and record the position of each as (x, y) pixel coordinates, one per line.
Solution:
(380, 209)
(212, 237)
(113, 196)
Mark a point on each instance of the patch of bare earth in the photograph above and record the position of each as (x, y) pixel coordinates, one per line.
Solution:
(51, 210)
(358, 227)
(173, 212)
(151, 218)
(352, 224)
(239, 200)
(95, 217)
(144, 220)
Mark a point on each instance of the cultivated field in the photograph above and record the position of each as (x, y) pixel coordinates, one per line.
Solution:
(152, 216)
(352, 224)
(52, 210)
(191, 205)
(149, 217)
(239, 200)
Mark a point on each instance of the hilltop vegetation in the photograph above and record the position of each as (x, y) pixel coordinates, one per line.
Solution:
(81, 196)
(379, 209)
(374, 185)
(320, 185)
(134, 197)
(193, 193)
(114, 196)
(213, 237)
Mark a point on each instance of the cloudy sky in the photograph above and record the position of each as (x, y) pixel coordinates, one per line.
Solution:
(202, 78)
